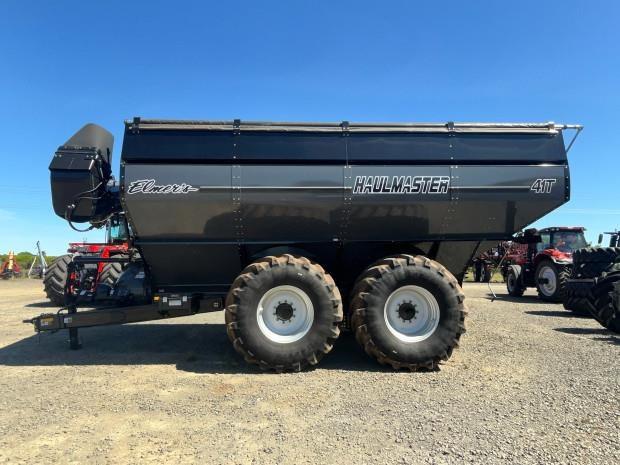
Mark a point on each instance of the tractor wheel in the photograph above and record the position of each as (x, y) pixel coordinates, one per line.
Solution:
(578, 305)
(606, 311)
(513, 282)
(485, 274)
(576, 297)
(282, 313)
(477, 272)
(55, 279)
(408, 312)
(110, 273)
(551, 280)
(597, 255)
(588, 270)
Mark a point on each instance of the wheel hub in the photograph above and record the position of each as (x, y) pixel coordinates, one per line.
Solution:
(411, 313)
(284, 312)
(547, 280)
(407, 311)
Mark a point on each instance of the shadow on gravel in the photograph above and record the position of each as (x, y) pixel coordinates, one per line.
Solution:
(557, 313)
(44, 304)
(610, 337)
(198, 348)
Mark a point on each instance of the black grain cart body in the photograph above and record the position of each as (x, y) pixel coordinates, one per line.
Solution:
(205, 198)
(288, 219)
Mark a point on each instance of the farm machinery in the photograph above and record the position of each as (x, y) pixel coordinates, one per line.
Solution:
(594, 284)
(487, 262)
(542, 259)
(10, 268)
(58, 278)
(297, 230)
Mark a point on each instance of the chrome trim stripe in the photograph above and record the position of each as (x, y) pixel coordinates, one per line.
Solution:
(490, 187)
(276, 187)
(349, 187)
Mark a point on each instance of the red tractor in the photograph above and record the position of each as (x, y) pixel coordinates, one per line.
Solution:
(116, 244)
(542, 259)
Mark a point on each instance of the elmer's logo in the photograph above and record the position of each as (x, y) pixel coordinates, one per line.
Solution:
(148, 186)
(401, 185)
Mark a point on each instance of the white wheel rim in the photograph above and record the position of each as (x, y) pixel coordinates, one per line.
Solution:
(411, 313)
(285, 314)
(546, 273)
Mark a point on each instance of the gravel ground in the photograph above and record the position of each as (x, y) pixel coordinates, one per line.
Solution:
(531, 383)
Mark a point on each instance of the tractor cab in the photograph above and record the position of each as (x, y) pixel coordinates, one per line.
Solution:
(563, 240)
(117, 231)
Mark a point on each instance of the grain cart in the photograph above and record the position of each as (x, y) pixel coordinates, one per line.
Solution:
(276, 222)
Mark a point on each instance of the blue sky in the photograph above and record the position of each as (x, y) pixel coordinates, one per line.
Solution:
(64, 63)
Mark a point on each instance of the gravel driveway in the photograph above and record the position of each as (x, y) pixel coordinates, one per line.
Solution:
(531, 383)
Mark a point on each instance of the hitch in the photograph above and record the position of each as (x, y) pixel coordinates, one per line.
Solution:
(72, 319)
(45, 322)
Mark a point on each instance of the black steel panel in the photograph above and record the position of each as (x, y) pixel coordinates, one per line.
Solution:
(395, 147)
(178, 146)
(499, 200)
(291, 203)
(283, 147)
(194, 265)
(397, 217)
(508, 148)
(206, 213)
(253, 147)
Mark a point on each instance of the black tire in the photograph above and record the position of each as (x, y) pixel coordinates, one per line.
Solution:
(485, 273)
(245, 295)
(513, 283)
(604, 310)
(596, 255)
(576, 297)
(477, 272)
(110, 273)
(578, 305)
(589, 270)
(562, 274)
(55, 280)
(368, 321)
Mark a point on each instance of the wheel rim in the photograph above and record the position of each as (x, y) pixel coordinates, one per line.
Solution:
(285, 314)
(411, 313)
(546, 273)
